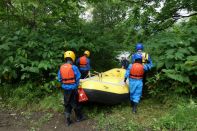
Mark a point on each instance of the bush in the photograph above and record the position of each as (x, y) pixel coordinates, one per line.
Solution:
(183, 117)
(53, 102)
(21, 96)
(174, 55)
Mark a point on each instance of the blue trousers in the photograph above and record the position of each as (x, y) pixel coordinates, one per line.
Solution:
(135, 88)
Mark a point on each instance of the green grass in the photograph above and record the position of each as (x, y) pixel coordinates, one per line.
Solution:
(152, 114)
(35, 125)
(169, 113)
(32, 98)
(53, 102)
(183, 117)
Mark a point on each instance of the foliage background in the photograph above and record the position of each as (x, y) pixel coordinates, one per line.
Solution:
(34, 35)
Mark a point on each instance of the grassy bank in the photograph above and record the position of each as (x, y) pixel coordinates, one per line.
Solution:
(173, 113)
(169, 113)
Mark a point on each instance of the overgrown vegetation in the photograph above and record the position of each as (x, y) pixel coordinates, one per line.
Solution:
(34, 35)
(183, 117)
(176, 60)
(173, 113)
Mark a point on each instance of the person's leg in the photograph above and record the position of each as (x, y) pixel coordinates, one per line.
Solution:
(132, 88)
(67, 105)
(77, 106)
(137, 94)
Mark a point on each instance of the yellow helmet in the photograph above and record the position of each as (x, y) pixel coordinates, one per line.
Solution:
(69, 54)
(87, 53)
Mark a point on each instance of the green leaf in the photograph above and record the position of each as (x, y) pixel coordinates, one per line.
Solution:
(184, 51)
(179, 56)
(33, 3)
(176, 76)
(31, 69)
(24, 76)
(11, 59)
(160, 64)
(45, 65)
(14, 74)
(191, 49)
(4, 47)
(192, 58)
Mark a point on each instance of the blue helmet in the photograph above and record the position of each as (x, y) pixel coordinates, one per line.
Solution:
(138, 56)
(139, 46)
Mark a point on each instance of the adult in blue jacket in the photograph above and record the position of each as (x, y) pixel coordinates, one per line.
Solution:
(69, 76)
(135, 74)
(84, 64)
(146, 59)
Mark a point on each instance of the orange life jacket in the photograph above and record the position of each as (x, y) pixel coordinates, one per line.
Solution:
(67, 74)
(83, 61)
(137, 71)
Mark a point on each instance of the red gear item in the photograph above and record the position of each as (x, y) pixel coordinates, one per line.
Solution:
(67, 74)
(83, 61)
(82, 95)
(137, 71)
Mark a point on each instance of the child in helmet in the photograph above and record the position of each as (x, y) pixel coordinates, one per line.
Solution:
(135, 74)
(145, 56)
(84, 64)
(69, 76)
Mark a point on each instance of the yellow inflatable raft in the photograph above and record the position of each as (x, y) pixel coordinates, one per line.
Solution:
(107, 87)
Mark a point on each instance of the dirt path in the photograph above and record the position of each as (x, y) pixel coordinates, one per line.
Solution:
(57, 123)
(42, 121)
(11, 121)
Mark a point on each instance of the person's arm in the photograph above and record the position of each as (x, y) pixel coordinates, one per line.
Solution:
(77, 74)
(127, 64)
(88, 65)
(149, 60)
(89, 68)
(59, 76)
(127, 73)
(132, 59)
(148, 66)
